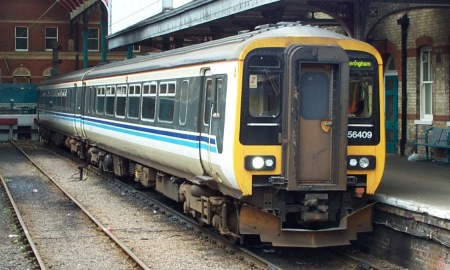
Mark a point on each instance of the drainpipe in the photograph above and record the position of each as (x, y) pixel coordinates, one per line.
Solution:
(404, 23)
(85, 41)
(130, 51)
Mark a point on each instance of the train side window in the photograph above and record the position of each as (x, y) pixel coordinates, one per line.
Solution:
(87, 98)
(121, 100)
(100, 100)
(208, 97)
(110, 96)
(184, 101)
(134, 93)
(149, 101)
(166, 101)
(63, 96)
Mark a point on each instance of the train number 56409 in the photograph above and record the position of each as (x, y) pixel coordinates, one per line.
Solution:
(359, 134)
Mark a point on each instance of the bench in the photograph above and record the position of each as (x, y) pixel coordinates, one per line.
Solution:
(437, 138)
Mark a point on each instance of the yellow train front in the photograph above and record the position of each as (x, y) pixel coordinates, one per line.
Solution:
(276, 132)
(311, 139)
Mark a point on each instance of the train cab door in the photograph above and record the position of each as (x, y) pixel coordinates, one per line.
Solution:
(205, 120)
(315, 118)
(79, 105)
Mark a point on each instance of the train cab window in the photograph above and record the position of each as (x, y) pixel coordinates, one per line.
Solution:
(110, 96)
(100, 100)
(315, 84)
(258, 61)
(121, 100)
(264, 94)
(219, 89)
(360, 97)
(149, 101)
(166, 101)
(184, 101)
(134, 93)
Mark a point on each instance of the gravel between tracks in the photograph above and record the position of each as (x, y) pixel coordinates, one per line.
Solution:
(64, 236)
(159, 244)
(13, 251)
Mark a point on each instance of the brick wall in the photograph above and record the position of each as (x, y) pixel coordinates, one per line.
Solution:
(36, 60)
(427, 27)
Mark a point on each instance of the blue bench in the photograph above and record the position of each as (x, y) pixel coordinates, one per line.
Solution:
(437, 138)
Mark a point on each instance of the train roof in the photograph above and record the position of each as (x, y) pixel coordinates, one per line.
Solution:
(223, 49)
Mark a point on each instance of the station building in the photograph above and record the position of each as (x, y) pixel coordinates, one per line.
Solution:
(29, 30)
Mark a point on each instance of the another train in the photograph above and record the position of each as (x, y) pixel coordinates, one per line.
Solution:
(277, 132)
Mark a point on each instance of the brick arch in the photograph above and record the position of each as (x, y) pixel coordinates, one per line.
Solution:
(424, 41)
(387, 49)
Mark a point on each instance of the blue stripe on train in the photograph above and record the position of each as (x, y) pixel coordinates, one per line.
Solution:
(168, 136)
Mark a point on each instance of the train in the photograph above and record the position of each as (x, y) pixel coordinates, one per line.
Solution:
(277, 132)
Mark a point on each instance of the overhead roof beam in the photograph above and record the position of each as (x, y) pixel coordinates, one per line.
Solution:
(81, 6)
(192, 14)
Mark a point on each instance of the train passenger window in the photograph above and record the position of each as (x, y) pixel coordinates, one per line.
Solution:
(100, 100)
(87, 98)
(121, 100)
(110, 96)
(264, 94)
(360, 96)
(184, 101)
(134, 93)
(166, 101)
(149, 101)
(62, 94)
(208, 102)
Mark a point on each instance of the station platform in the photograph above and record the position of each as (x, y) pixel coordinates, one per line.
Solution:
(418, 186)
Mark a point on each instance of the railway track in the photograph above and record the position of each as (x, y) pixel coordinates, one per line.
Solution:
(31, 254)
(171, 220)
(56, 224)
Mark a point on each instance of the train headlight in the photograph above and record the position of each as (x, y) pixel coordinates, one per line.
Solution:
(361, 162)
(364, 162)
(259, 163)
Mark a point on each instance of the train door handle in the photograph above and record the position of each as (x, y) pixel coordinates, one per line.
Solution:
(326, 125)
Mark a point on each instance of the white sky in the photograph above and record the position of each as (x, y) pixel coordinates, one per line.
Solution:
(125, 13)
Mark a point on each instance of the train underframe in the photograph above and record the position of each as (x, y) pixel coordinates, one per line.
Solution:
(283, 218)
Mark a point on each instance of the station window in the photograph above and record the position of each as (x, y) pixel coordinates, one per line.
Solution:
(121, 100)
(100, 100)
(184, 101)
(21, 38)
(51, 37)
(110, 96)
(149, 101)
(134, 93)
(166, 101)
(93, 39)
(426, 85)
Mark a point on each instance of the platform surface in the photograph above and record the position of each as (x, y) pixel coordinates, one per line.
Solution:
(420, 186)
